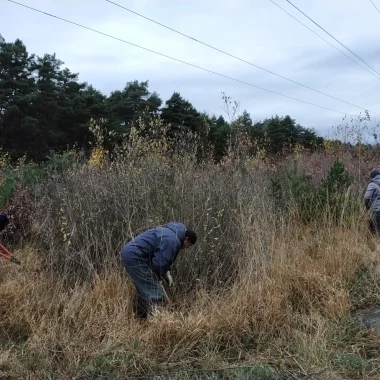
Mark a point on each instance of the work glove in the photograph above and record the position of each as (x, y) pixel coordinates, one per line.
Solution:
(169, 278)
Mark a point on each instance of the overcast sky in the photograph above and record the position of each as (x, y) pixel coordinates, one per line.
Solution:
(254, 30)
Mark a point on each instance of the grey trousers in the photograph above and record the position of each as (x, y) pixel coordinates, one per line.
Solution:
(374, 223)
(149, 290)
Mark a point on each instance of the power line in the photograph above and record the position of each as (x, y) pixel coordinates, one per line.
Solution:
(374, 5)
(353, 53)
(311, 30)
(233, 56)
(174, 59)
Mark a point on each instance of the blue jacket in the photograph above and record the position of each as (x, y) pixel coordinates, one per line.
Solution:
(372, 194)
(158, 247)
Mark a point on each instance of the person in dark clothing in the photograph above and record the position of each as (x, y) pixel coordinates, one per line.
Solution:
(3, 221)
(372, 201)
(148, 257)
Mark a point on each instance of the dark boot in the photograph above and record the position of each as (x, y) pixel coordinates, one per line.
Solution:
(141, 308)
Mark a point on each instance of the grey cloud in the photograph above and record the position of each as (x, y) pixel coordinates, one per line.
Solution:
(253, 30)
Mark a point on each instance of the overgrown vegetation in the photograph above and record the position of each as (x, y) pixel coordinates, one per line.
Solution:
(29, 174)
(293, 191)
(282, 262)
(267, 293)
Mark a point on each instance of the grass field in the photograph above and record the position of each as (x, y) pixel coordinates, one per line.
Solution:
(261, 296)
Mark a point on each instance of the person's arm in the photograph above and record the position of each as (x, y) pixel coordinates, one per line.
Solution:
(368, 196)
(163, 258)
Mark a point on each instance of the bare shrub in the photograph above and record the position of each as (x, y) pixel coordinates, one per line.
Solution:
(259, 287)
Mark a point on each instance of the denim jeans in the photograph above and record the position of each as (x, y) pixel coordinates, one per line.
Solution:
(149, 290)
(374, 223)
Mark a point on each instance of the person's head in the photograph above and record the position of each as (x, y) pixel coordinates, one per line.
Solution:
(374, 173)
(190, 239)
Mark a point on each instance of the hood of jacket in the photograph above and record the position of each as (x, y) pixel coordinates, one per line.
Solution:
(376, 180)
(180, 229)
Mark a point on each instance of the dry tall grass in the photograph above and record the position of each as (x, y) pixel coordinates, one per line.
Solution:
(259, 291)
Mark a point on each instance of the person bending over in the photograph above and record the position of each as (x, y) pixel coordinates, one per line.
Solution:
(148, 257)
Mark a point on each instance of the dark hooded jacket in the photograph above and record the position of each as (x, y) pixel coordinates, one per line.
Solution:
(157, 247)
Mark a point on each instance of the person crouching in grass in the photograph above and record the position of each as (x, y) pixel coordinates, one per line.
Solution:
(147, 259)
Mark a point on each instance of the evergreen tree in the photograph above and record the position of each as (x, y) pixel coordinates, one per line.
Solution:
(181, 115)
(17, 92)
(220, 132)
(44, 107)
(133, 102)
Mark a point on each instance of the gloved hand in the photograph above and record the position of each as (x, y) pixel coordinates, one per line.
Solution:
(169, 278)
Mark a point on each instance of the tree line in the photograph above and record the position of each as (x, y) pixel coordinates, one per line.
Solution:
(44, 107)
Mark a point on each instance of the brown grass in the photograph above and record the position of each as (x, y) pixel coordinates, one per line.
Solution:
(296, 303)
(260, 289)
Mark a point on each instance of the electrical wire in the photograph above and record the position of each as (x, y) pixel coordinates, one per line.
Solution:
(176, 59)
(375, 6)
(319, 26)
(311, 30)
(234, 56)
